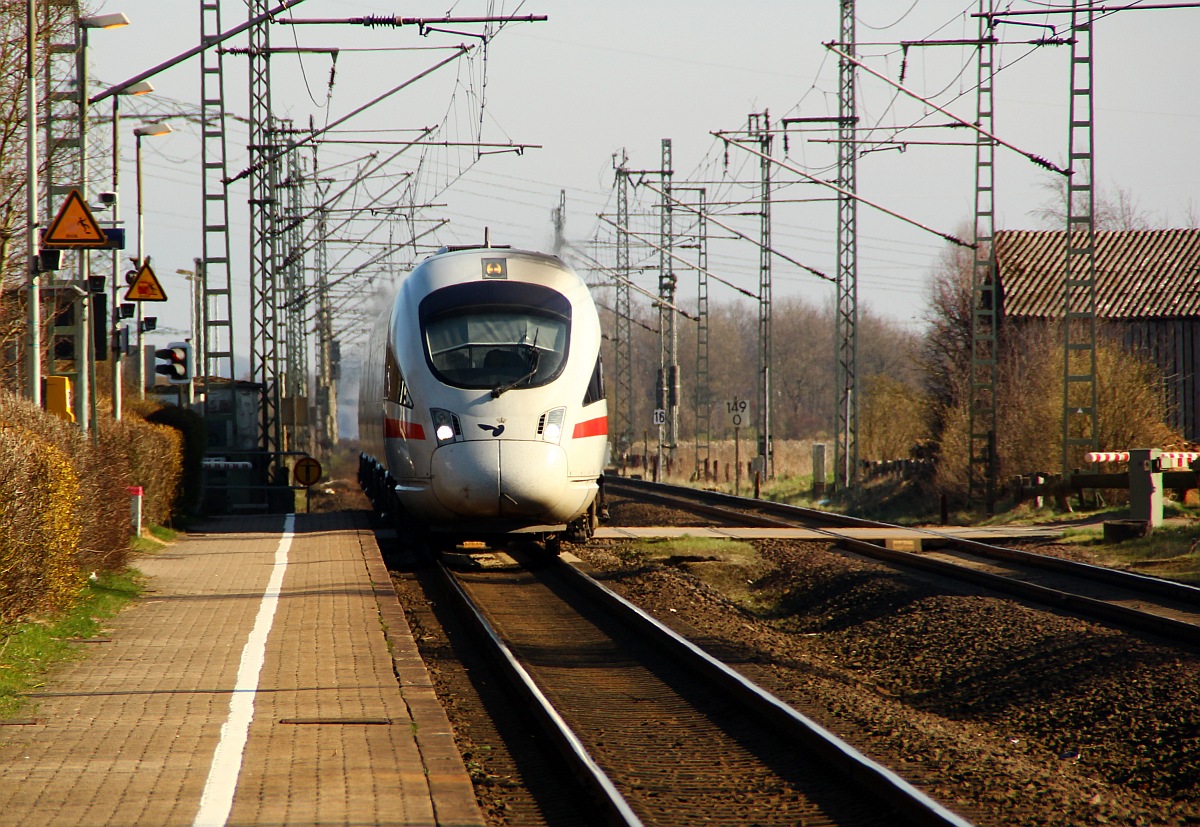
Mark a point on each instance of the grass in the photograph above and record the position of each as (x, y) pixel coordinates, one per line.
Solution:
(28, 649)
(153, 539)
(728, 566)
(1170, 551)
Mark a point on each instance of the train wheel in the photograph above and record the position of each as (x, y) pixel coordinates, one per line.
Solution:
(582, 529)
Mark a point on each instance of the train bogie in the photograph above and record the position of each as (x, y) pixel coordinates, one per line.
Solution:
(482, 407)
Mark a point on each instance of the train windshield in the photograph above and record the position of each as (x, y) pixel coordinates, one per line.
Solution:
(499, 335)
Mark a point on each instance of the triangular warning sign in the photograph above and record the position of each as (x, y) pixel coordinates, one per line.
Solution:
(145, 287)
(74, 225)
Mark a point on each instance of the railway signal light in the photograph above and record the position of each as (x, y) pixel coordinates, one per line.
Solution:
(175, 362)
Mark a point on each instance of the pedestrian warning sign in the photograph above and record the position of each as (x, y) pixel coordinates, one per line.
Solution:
(145, 287)
(74, 225)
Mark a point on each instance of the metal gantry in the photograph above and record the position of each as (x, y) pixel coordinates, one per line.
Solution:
(65, 130)
(846, 319)
(327, 369)
(702, 394)
(759, 131)
(264, 292)
(984, 329)
(214, 346)
(623, 343)
(1079, 421)
(295, 302)
(668, 366)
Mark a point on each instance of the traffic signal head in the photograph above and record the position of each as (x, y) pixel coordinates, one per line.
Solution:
(175, 363)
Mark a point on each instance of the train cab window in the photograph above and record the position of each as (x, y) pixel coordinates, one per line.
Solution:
(595, 388)
(395, 389)
(496, 335)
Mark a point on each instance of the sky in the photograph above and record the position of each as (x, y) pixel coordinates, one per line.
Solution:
(597, 79)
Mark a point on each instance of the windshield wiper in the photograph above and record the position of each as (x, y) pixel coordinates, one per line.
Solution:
(535, 358)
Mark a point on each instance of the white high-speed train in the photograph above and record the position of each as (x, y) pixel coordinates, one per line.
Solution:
(482, 409)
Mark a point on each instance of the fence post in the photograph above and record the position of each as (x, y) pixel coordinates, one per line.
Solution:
(818, 466)
(135, 509)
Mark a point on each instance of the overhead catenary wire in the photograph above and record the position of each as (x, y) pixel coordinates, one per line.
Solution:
(1034, 158)
(792, 168)
(708, 216)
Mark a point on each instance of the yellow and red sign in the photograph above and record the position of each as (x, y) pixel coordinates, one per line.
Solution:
(74, 225)
(145, 287)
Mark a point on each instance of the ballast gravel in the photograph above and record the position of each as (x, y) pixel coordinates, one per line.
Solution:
(1007, 713)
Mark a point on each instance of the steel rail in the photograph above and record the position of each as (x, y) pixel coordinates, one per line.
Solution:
(1093, 607)
(894, 790)
(582, 766)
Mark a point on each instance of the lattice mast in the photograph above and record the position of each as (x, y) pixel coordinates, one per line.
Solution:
(668, 388)
(623, 344)
(759, 130)
(846, 318)
(264, 290)
(295, 300)
(214, 348)
(703, 391)
(1079, 420)
(326, 384)
(65, 124)
(984, 307)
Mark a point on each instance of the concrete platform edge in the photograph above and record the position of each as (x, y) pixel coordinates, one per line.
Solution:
(449, 783)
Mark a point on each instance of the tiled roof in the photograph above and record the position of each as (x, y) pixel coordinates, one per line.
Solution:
(1139, 273)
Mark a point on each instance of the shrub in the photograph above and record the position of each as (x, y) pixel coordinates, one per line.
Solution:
(64, 507)
(193, 435)
(39, 498)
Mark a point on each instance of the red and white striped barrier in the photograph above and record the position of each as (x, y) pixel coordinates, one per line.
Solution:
(1108, 456)
(1178, 457)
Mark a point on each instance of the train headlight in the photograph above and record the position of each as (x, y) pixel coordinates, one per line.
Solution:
(446, 427)
(550, 424)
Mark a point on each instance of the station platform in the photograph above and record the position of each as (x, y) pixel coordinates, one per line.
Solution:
(267, 677)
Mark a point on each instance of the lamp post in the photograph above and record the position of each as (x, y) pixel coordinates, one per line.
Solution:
(86, 372)
(140, 88)
(148, 131)
(33, 347)
(195, 334)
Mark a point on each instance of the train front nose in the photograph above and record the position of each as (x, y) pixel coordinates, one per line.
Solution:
(500, 478)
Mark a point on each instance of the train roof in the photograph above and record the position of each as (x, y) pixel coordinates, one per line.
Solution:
(501, 251)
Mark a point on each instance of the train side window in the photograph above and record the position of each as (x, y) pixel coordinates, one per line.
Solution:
(395, 388)
(595, 388)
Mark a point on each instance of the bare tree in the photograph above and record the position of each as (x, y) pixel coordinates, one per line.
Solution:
(1115, 209)
(53, 22)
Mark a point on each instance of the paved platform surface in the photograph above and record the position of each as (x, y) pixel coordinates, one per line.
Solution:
(166, 721)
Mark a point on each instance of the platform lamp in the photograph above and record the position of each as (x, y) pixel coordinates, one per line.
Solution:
(86, 399)
(142, 87)
(150, 130)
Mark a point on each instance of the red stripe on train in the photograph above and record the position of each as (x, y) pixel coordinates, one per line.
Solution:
(593, 427)
(399, 429)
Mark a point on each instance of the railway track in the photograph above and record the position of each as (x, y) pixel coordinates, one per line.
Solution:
(1132, 600)
(657, 731)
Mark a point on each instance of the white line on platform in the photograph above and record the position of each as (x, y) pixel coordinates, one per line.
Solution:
(216, 801)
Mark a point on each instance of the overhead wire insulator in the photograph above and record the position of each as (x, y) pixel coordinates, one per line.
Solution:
(371, 21)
